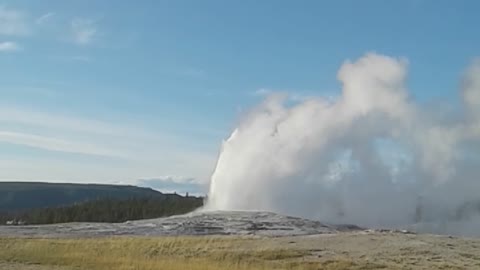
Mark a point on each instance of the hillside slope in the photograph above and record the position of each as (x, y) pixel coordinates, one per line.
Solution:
(26, 195)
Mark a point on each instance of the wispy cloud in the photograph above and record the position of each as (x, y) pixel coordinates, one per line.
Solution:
(195, 73)
(140, 150)
(83, 31)
(13, 22)
(16, 22)
(57, 122)
(262, 92)
(9, 46)
(36, 91)
(81, 58)
(294, 96)
(54, 144)
(44, 18)
(177, 184)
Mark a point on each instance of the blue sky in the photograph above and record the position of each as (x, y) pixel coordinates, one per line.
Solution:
(118, 91)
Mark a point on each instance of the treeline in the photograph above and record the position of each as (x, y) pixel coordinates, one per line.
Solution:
(106, 210)
(24, 195)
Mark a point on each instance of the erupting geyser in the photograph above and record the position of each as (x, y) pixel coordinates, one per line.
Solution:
(370, 157)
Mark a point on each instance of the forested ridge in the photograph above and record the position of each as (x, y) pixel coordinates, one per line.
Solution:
(28, 195)
(105, 210)
(47, 203)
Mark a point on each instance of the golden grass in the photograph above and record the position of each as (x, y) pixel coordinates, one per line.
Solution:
(195, 253)
(142, 253)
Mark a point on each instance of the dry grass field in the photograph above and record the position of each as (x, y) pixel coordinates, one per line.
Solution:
(339, 251)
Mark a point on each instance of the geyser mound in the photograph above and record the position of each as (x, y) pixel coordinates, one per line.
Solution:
(371, 157)
(196, 223)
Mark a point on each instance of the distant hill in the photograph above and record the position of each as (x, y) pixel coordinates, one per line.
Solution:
(16, 196)
(105, 210)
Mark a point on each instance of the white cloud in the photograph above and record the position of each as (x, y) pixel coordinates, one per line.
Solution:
(471, 91)
(30, 91)
(9, 46)
(51, 169)
(83, 31)
(195, 73)
(44, 18)
(177, 184)
(58, 122)
(142, 152)
(295, 96)
(54, 144)
(13, 22)
(81, 58)
(262, 92)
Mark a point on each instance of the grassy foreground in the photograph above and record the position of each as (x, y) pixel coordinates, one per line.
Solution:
(195, 253)
(329, 252)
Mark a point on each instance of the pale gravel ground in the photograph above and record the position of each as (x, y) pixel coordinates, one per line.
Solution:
(392, 250)
(200, 223)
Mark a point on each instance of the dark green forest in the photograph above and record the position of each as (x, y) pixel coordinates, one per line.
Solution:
(28, 195)
(106, 210)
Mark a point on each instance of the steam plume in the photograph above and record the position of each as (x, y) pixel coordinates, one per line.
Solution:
(371, 157)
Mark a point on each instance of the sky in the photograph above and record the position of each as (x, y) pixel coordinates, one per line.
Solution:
(145, 92)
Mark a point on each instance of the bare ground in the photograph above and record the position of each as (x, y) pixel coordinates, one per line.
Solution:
(229, 240)
(390, 250)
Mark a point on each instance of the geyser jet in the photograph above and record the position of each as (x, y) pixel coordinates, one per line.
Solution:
(370, 157)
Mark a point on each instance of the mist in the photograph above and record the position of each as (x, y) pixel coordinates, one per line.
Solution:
(371, 156)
